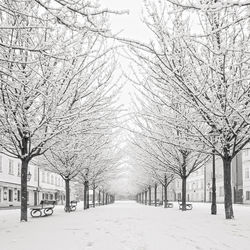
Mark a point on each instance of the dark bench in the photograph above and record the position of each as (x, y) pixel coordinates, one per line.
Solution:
(169, 204)
(91, 204)
(189, 206)
(72, 206)
(158, 203)
(44, 209)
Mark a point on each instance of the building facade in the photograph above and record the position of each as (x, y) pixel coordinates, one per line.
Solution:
(246, 175)
(43, 184)
(199, 183)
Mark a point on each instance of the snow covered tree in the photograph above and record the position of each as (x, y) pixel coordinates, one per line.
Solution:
(48, 69)
(164, 145)
(99, 164)
(64, 158)
(200, 57)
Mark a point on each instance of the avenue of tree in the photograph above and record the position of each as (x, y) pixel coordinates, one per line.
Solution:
(57, 86)
(193, 83)
(59, 93)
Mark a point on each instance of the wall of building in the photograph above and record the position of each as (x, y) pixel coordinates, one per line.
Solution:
(199, 183)
(246, 174)
(42, 185)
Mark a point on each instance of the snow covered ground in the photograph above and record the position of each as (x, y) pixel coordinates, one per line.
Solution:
(127, 226)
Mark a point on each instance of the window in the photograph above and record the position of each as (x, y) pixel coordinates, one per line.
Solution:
(248, 195)
(48, 181)
(1, 164)
(247, 173)
(18, 195)
(11, 167)
(10, 195)
(43, 177)
(19, 169)
(35, 174)
(52, 179)
(197, 196)
(179, 196)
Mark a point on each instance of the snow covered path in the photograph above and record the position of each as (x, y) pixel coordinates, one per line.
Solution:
(127, 226)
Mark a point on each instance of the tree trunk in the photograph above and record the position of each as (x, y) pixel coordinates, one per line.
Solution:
(85, 195)
(162, 193)
(103, 198)
(99, 197)
(227, 189)
(67, 190)
(183, 198)
(165, 191)
(165, 195)
(24, 191)
(146, 197)
(149, 195)
(213, 205)
(93, 195)
(155, 194)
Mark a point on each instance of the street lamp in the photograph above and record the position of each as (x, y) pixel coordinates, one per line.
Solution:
(213, 205)
(29, 176)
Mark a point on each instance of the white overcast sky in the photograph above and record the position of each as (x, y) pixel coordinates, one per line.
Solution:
(131, 23)
(131, 27)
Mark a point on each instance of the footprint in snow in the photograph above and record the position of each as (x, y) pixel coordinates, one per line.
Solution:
(90, 244)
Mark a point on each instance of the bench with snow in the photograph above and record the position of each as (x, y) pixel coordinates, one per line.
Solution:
(158, 203)
(189, 206)
(44, 209)
(169, 204)
(72, 205)
(96, 204)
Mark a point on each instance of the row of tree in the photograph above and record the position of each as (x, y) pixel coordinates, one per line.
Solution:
(57, 94)
(193, 89)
